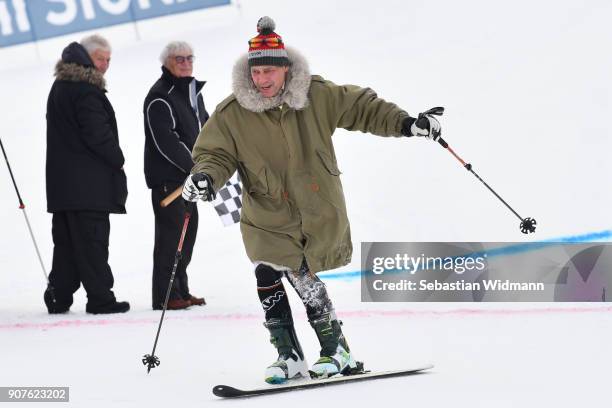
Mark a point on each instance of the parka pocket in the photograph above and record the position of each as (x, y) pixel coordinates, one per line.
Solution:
(329, 163)
(254, 182)
(120, 187)
(329, 186)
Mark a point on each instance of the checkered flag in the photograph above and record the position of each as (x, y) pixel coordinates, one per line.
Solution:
(228, 202)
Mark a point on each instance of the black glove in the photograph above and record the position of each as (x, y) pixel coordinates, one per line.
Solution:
(198, 186)
(425, 125)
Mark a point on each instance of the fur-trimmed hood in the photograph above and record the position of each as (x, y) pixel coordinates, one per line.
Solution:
(295, 93)
(73, 72)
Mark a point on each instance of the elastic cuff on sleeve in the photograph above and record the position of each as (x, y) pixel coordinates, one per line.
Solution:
(406, 124)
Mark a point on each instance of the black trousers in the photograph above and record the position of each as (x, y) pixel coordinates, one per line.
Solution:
(168, 228)
(80, 255)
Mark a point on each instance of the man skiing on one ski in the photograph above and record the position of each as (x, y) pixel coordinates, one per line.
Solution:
(276, 129)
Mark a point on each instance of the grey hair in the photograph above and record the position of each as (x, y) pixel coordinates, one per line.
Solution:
(95, 42)
(174, 48)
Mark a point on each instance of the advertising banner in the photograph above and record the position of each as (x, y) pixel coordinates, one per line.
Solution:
(24, 21)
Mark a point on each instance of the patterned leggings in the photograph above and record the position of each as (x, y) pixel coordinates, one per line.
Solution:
(308, 286)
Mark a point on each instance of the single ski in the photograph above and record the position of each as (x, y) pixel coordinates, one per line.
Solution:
(225, 391)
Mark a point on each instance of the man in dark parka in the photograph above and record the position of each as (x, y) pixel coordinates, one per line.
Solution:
(85, 178)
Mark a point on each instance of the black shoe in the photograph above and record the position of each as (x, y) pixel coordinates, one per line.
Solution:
(116, 307)
(58, 310)
(54, 307)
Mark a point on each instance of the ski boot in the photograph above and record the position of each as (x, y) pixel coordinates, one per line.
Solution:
(335, 357)
(290, 363)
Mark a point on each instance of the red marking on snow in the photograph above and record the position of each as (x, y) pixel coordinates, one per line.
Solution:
(126, 321)
(68, 323)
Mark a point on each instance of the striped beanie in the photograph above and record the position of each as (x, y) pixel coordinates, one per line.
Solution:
(267, 48)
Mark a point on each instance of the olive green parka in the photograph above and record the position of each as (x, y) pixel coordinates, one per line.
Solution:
(293, 203)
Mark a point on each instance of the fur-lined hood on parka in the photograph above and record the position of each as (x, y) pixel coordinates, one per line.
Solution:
(76, 66)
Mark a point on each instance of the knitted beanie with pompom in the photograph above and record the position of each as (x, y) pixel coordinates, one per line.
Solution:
(267, 48)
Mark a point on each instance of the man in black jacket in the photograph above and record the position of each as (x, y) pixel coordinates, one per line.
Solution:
(174, 113)
(85, 178)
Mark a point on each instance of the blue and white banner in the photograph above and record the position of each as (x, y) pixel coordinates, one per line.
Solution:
(22, 21)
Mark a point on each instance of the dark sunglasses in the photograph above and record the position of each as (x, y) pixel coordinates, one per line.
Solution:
(180, 59)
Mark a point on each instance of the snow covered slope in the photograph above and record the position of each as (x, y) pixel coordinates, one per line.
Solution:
(526, 86)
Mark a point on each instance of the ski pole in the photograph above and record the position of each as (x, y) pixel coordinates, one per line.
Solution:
(527, 225)
(25, 214)
(151, 360)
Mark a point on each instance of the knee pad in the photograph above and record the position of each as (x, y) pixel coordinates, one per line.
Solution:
(267, 276)
(272, 293)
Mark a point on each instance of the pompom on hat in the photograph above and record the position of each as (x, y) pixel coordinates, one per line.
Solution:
(267, 48)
